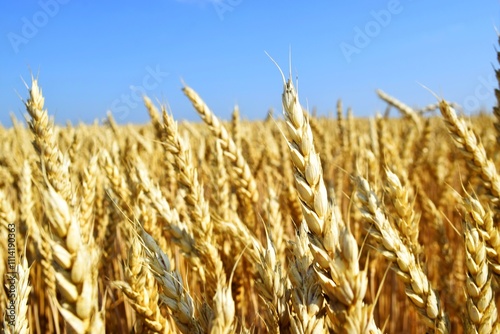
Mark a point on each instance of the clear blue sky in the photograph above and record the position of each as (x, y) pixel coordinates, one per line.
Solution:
(95, 56)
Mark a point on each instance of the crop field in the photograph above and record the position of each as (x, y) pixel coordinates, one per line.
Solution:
(293, 224)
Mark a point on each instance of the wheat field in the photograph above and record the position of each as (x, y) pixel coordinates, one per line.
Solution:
(294, 224)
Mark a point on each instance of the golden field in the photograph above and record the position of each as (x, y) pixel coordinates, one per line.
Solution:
(294, 224)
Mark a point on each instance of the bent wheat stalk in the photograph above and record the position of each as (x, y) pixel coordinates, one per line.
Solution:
(141, 290)
(173, 293)
(406, 110)
(418, 287)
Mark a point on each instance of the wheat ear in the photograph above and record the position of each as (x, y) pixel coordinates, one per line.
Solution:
(179, 232)
(155, 116)
(481, 309)
(333, 246)
(473, 150)
(75, 265)
(173, 293)
(246, 180)
(406, 220)
(236, 126)
(56, 164)
(418, 287)
(89, 185)
(141, 289)
(406, 110)
(222, 193)
(202, 227)
(306, 297)
(271, 286)
(481, 217)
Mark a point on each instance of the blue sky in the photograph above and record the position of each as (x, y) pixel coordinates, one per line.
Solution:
(95, 56)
